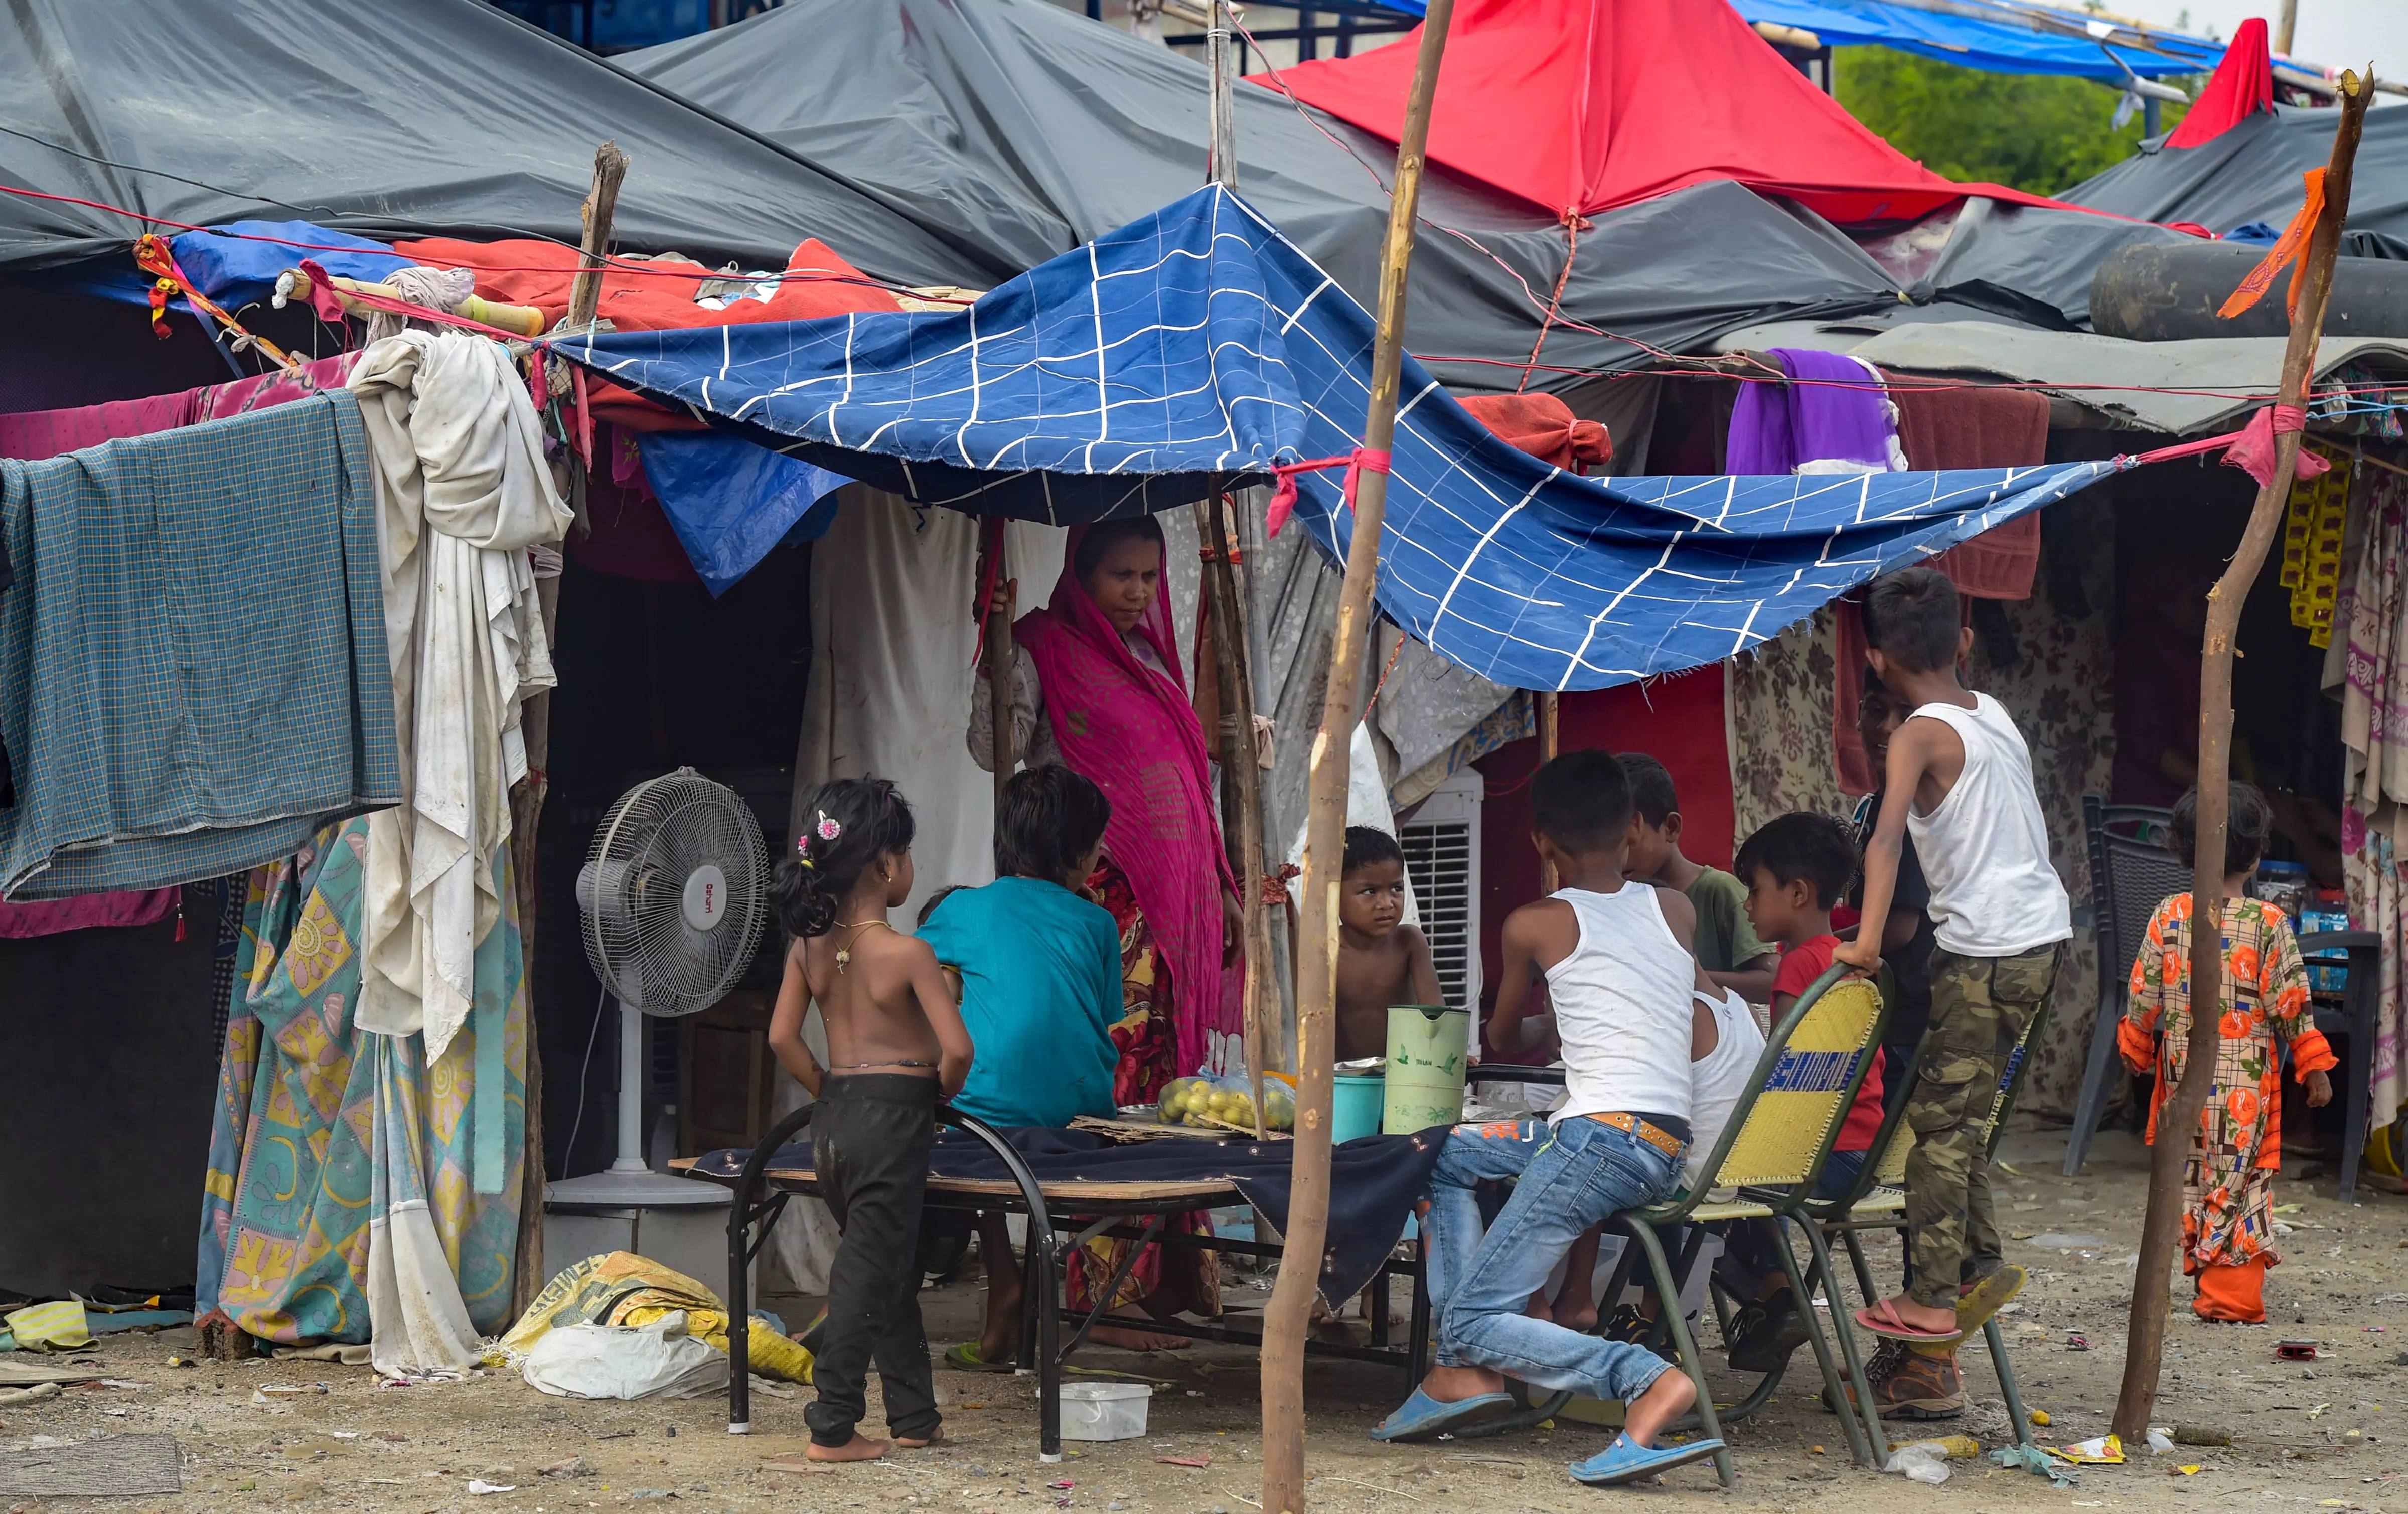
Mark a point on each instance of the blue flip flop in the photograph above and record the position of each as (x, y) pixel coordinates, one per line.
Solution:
(1625, 1461)
(1421, 1417)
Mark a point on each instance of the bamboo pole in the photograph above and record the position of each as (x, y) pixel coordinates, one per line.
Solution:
(1223, 162)
(1241, 833)
(992, 570)
(1548, 746)
(528, 1275)
(1289, 1316)
(2161, 1228)
(2287, 23)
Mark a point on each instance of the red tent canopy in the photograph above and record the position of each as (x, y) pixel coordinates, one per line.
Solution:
(2242, 85)
(1581, 105)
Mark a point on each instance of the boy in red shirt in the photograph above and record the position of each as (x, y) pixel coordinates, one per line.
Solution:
(1796, 868)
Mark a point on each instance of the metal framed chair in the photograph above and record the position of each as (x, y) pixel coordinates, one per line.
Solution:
(2129, 877)
(1772, 1150)
(1878, 1202)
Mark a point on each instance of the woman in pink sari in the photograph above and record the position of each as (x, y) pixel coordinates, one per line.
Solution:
(1097, 687)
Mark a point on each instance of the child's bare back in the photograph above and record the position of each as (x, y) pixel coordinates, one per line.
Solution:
(877, 1001)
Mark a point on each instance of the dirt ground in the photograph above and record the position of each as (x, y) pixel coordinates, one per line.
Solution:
(2334, 1434)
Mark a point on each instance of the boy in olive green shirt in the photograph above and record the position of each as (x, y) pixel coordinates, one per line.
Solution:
(1726, 946)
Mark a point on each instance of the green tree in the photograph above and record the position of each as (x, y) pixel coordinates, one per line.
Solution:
(2034, 132)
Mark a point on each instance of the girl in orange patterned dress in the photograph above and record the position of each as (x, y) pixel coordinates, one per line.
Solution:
(2228, 1182)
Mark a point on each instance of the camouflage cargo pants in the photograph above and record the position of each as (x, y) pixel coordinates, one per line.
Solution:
(1980, 1008)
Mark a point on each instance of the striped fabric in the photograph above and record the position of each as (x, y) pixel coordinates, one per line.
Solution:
(1124, 376)
(192, 673)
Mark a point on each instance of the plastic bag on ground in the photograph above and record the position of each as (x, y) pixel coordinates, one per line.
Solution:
(1922, 1462)
(658, 1360)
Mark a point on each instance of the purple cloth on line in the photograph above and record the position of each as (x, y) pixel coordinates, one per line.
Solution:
(1837, 414)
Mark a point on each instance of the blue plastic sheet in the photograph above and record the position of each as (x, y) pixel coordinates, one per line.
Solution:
(225, 263)
(730, 500)
(1199, 344)
(2005, 46)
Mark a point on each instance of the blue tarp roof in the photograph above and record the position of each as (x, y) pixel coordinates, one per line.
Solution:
(1199, 342)
(2005, 46)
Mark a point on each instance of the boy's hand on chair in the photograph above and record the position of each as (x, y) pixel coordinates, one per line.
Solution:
(1861, 957)
(1004, 599)
(2320, 1089)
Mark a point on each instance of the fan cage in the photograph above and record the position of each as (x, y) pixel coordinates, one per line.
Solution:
(640, 940)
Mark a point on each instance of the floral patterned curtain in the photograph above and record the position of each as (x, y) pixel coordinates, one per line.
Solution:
(2053, 670)
(2374, 735)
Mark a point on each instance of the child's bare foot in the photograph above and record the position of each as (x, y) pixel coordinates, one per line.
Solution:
(1939, 1320)
(1453, 1384)
(919, 1442)
(857, 1449)
(1136, 1340)
(1539, 1308)
(1581, 1318)
(1666, 1399)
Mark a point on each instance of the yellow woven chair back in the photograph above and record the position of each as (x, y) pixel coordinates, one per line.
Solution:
(1892, 1171)
(1808, 1092)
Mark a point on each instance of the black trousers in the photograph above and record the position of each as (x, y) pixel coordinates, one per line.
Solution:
(870, 1136)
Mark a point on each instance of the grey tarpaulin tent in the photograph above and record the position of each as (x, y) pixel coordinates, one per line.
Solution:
(438, 118)
(2252, 173)
(1031, 129)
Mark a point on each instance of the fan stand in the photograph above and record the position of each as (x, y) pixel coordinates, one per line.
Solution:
(677, 1222)
(628, 1180)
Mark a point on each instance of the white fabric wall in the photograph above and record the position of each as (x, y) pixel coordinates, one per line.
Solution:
(894, 633)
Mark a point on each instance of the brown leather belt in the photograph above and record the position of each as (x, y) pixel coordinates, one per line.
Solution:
(1655, 1135)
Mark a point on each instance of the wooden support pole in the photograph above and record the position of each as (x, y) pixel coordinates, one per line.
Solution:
(528, 1275)
(993, 569)
(1548, 746)
(585, 294)
(2287, 25)
(1242, 770)
(1289, 1316)
(1223, 162)
(2161, 1228)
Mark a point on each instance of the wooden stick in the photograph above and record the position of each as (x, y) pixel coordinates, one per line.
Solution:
(527, 1274)
(2178, 1121)
(991, 571)
(1241, 770)
(1548, 700)
(585, 295)
(1287, 1319)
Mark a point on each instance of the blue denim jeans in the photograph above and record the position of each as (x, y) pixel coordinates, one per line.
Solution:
(1566, 1180)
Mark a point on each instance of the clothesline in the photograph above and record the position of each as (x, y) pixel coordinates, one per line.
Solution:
(620, 263)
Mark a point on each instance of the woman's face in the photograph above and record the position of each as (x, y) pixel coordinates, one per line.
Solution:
(1125, 580)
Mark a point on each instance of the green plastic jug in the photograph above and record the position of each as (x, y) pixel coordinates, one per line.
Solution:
(1430, 1048)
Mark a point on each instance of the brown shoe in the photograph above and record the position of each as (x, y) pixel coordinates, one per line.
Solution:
(1908, 1384)
(1918, 1387)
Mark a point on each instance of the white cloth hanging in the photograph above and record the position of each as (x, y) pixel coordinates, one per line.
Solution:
(463, 492)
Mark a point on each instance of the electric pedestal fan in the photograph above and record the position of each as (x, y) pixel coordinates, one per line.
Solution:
(671, 906)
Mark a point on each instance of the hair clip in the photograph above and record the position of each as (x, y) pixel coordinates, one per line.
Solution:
(829, 829)
(803, 854)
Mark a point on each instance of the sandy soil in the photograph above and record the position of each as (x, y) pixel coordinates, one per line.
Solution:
(2329, 1436)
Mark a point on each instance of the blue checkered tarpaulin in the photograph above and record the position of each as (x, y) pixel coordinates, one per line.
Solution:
(1200, 343)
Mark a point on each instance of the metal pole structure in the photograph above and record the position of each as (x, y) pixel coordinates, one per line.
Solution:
(2179, 1119)
(1287, 1319)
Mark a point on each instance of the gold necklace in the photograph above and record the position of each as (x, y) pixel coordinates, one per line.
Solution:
(844, 953)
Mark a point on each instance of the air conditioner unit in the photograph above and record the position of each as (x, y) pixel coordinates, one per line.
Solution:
(1442, 846)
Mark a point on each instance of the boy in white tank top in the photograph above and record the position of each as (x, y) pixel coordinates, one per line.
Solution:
(1959, 781)
(1620, 978)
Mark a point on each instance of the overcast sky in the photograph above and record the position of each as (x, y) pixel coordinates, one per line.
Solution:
(2340, 34)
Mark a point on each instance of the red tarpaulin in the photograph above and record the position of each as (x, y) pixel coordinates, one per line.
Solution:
(2242, 85)
(1581, 105)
